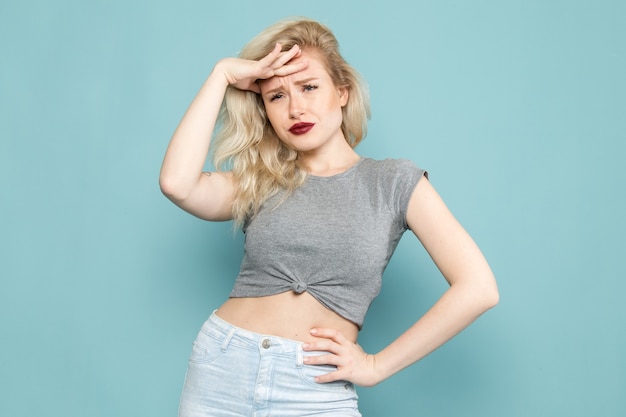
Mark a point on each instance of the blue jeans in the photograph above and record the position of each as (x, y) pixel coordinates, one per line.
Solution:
(235, 372)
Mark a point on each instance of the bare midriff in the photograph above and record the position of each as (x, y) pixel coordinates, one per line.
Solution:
(288, 315)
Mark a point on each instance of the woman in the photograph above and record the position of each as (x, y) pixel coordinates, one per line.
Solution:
(321, 224)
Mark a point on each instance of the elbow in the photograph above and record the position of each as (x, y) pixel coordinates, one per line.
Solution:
(170, 189)
(167, 188)
(483, 293)
(490, 295)
(480, 290)
(492, 299)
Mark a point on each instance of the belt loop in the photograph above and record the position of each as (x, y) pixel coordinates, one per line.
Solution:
(226, 341)
(299, 356)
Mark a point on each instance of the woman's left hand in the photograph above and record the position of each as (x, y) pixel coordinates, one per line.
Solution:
(352, 363)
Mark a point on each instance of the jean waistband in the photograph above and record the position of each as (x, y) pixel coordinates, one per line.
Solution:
(228, 333)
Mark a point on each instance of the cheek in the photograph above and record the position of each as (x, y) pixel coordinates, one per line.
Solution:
(271, 114)
(336, 112)
(274, 116)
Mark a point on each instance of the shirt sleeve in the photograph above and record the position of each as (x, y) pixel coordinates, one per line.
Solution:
(405, 176)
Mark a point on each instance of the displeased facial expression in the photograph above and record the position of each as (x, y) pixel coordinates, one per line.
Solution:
(304, 108)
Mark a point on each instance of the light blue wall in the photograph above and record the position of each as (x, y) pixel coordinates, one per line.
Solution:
(517, 109)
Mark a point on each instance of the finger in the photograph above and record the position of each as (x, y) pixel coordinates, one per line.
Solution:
(285, 57)
(291, 68)
(276, 63)
(330, 377)
(271, 57)
(321, 360)
(332, 334)
(323, 345)
(276, 58)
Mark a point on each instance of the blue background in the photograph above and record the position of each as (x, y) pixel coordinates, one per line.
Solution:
(516, 108)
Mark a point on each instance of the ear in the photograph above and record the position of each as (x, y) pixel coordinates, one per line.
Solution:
(343, 95)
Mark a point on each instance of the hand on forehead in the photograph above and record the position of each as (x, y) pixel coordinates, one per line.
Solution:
(313, 68)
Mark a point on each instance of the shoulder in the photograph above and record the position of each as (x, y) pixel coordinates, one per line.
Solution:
(392, 180)
(391, 169)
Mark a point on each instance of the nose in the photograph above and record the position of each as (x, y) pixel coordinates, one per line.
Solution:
(295, 107)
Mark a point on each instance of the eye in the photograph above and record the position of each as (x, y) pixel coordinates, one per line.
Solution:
(276, 96)
(309, 87)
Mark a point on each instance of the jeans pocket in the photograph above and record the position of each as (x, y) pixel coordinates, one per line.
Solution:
(205, 350)
(309, 372)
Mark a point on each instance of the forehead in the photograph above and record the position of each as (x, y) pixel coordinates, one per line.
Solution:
(315, 69)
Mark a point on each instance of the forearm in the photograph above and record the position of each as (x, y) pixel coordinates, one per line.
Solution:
(189, 146)
(459, 306)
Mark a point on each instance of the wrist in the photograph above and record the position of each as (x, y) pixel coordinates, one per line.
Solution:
(219, 73)
(382, 367)
(377, 373)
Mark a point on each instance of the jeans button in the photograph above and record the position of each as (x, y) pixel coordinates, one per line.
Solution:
(266, 343)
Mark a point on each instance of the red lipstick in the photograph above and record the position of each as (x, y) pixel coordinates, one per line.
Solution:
(301, 128)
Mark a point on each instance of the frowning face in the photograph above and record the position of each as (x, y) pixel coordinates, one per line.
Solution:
(304, 108)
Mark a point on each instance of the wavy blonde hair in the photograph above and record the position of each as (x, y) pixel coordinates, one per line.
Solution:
(262, 165)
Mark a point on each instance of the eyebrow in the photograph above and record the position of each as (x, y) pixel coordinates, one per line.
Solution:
(299, 82)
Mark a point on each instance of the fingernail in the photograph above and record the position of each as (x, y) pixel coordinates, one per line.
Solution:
(313, 331)
(305, 346)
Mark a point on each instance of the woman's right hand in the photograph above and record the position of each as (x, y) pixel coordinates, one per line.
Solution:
(181, 179)
(243, 73)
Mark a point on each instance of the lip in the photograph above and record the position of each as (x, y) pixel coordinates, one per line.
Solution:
(301, 128)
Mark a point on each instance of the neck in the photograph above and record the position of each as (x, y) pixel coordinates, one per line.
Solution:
(330, 163)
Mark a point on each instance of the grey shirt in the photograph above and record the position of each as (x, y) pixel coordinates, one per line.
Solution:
(332, 237)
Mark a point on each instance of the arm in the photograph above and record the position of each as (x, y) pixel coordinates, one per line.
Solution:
(472, 291)
(210, 196)
(181, 179)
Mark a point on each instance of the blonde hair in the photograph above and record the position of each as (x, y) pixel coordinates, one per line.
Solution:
(262, 165)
